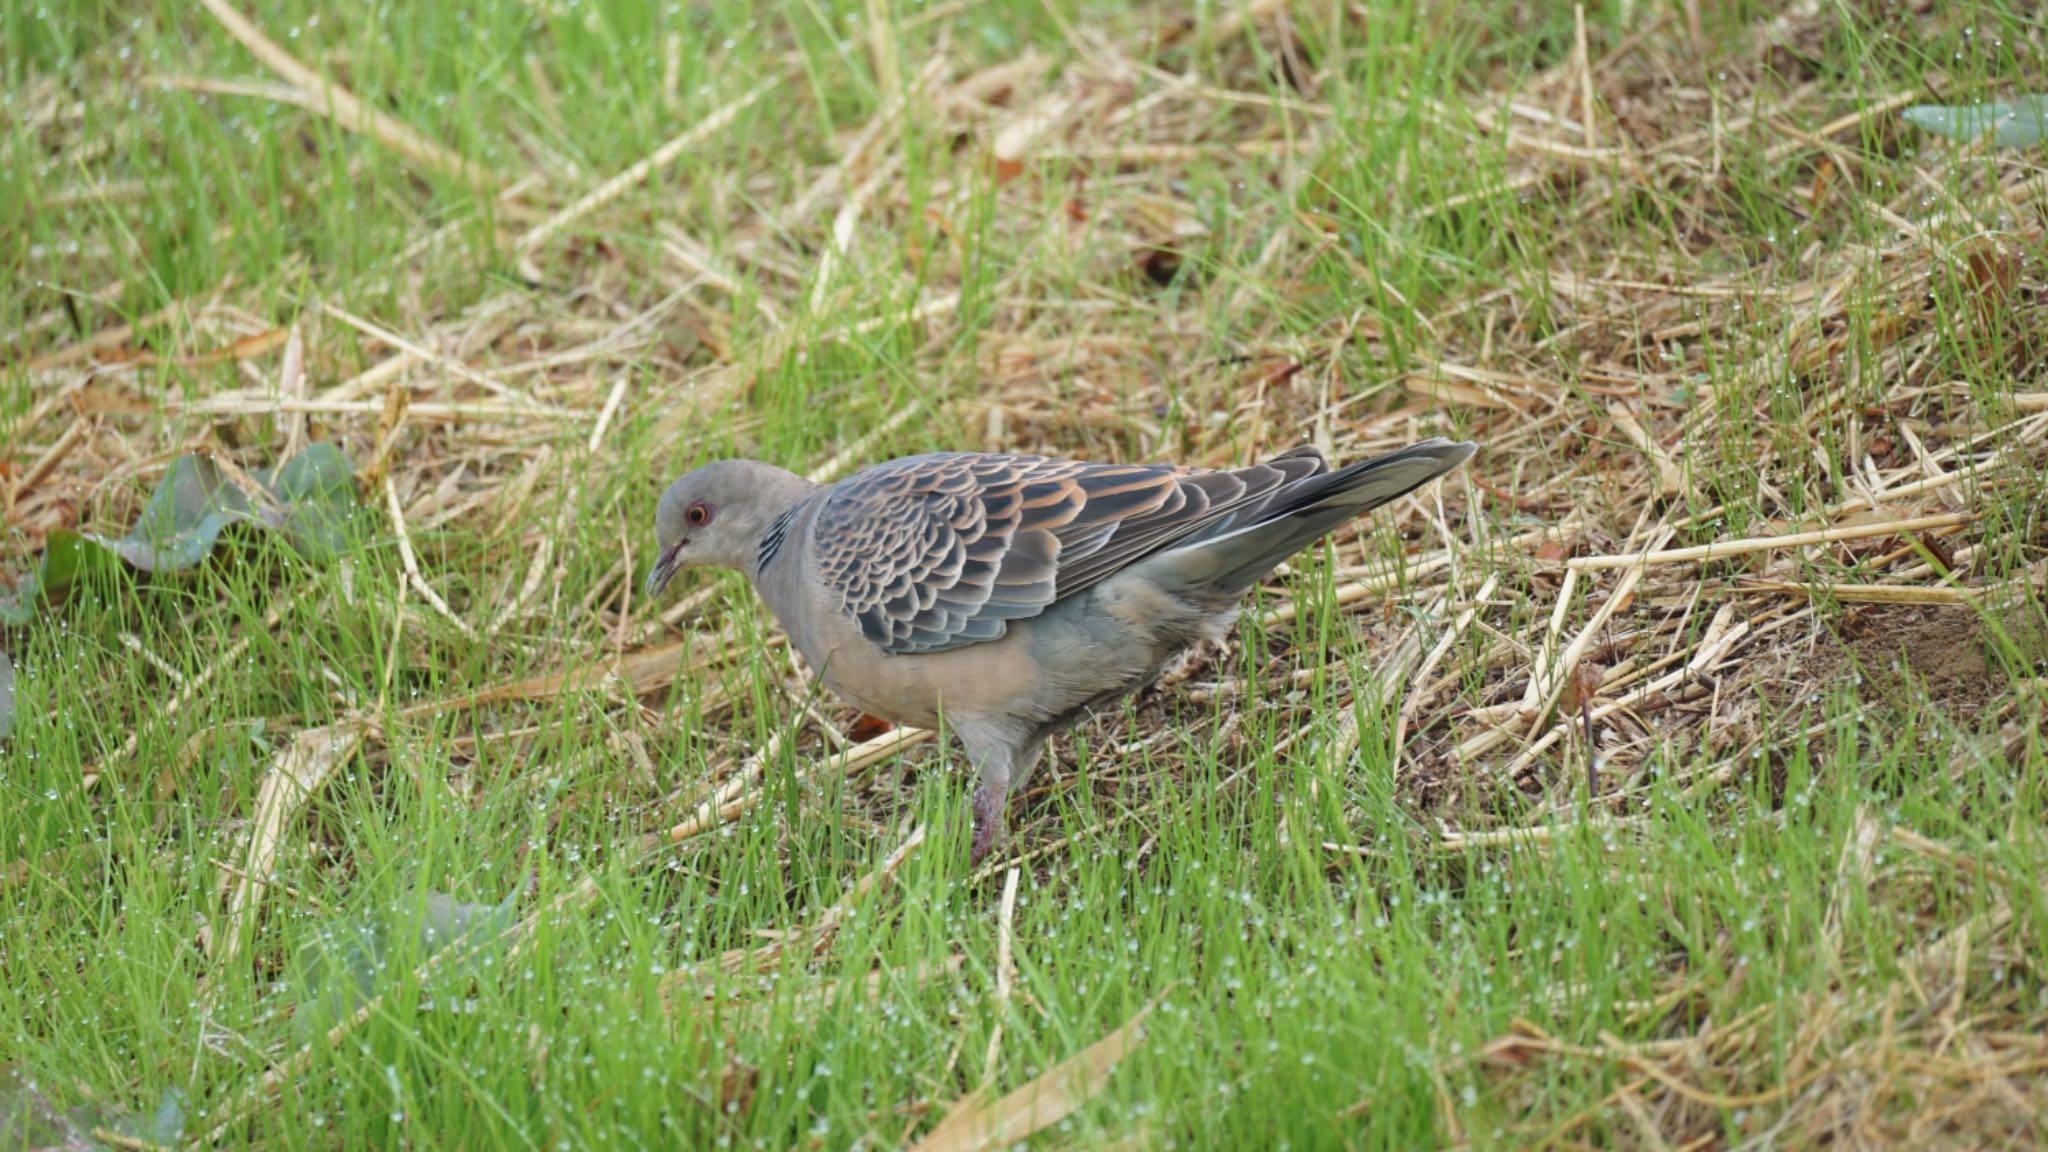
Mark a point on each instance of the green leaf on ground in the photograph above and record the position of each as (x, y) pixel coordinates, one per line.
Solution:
(316, 495)
(313, 503)
(351, 962)
(29, 1120)
(2020, 124)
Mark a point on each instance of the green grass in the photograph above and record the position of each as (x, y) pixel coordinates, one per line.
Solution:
(1704, 914)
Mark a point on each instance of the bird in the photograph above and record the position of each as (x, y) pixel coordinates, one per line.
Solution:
(1009, 596)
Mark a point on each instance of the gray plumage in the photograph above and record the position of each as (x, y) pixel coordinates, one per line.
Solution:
(1012, 593)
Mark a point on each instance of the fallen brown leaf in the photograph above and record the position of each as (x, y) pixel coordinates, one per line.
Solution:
(973, 1124)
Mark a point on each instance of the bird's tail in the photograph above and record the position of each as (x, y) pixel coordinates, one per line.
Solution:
(1241, 551)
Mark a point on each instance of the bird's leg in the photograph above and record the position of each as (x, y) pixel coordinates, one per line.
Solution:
(991, 820)
(1022, 763)
(1003, 770)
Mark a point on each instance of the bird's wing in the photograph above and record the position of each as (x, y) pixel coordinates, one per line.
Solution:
(935, 552)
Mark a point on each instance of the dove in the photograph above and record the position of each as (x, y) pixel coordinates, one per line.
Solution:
(1009, 596)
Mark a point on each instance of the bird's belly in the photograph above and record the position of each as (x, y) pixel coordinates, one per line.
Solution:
(908, 704)
(1044, 674)
(978, 680)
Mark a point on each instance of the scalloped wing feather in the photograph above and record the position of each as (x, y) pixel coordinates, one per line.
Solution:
(935, 552)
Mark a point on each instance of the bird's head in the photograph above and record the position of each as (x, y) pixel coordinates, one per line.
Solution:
(715, 515)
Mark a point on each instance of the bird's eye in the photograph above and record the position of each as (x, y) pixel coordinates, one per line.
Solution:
(698, 514)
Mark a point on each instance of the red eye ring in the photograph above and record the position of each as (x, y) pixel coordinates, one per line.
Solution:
(698, 515)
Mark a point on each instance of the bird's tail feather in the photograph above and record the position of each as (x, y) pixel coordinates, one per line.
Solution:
(1238, 555)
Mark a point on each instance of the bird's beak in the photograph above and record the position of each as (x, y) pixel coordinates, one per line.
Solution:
(664, 569)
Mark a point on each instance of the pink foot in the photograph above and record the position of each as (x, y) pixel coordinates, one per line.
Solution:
(988, 825)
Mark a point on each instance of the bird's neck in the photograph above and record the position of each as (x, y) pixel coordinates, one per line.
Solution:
(776, 545)
(773, 507)
(778, 574)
